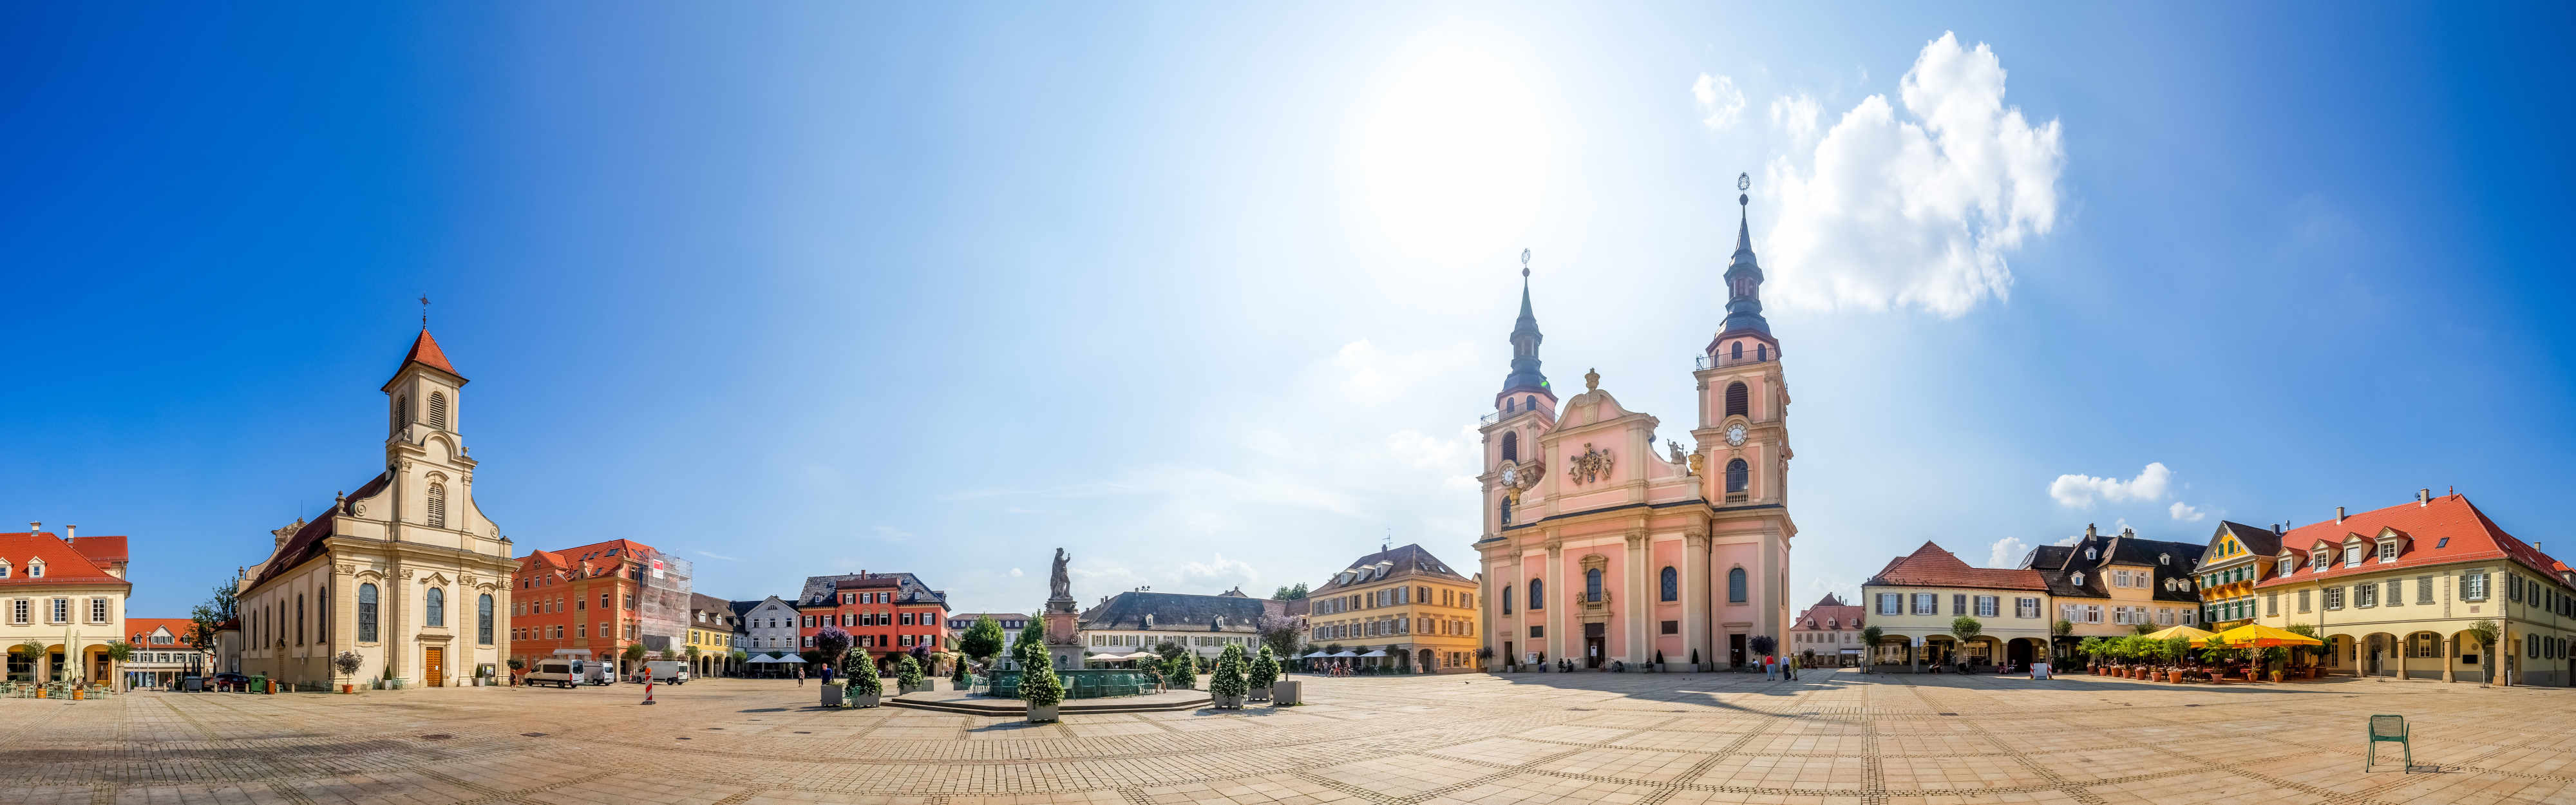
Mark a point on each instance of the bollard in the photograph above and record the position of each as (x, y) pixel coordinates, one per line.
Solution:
(648, 691)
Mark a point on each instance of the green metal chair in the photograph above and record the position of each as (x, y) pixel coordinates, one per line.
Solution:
(2387, 728)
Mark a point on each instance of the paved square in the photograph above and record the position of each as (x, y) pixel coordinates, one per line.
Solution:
(1831, 737)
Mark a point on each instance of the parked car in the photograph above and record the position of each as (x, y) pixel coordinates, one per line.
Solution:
(229, 681)
(557, 672)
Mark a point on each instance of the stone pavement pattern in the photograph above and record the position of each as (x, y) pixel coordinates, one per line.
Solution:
(1829, 738)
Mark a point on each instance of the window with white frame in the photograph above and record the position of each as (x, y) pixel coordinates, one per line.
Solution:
(2388, 551)
(19, 609)
(2317, 559)
(4, 568)
(98, 610)
(2473, 587)
(36, 569)
(2334, 598)
(1986, 606)
(2189, 616)
(2079, 579)
(2024, 607)
(2352, 556)
(1927, 604)
(2093, 613)
(2067, 612)
(62, 611)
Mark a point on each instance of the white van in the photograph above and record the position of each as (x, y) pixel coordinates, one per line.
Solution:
(668, 672)
(557, 671)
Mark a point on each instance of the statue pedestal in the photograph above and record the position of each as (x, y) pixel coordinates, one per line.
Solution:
(1062, 642)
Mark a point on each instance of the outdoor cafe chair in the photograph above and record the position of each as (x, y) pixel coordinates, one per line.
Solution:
(2387, 728)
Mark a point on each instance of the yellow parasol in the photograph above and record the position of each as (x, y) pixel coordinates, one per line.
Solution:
(2196, 635)
(2257, 635)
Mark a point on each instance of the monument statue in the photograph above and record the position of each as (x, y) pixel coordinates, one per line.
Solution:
(1058, 586)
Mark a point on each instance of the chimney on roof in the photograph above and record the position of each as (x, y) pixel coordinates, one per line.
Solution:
(70, 531)
(2424, 496)
(2338, 515)
(2276, 529)
(2128, 532)
(2088, 529)
(34, 528)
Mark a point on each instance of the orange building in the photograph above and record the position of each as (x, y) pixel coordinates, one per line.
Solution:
(885, 613)
(580, 600)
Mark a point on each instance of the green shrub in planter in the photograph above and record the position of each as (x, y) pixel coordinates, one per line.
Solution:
(1181, 672)
(1228, 682)
(908, 673)
(1265, 670)
(1039, 686)
(862, 674)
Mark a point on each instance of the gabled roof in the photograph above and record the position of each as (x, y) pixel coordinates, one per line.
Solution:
(2257, 540)
(1400, 561)
(2442, 530)
(64, 563)
(2168, 560)
(604, 556)
(1830, 614)
(181, 629)
(909, 589)
(425, 351)
(105, 550)
(1181, 611)
(1930, 566)
(307, 541)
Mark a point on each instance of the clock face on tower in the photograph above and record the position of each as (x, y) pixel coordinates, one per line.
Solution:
(1735, 434)
(1510, 474)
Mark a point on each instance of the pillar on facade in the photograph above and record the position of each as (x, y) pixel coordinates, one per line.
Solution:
(1695, 605)
(2496, 655)
(2449, 651)
(1555, 619)
(1639, 607)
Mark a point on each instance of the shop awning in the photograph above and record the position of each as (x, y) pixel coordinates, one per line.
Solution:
(2185, 631)
(2261, 636)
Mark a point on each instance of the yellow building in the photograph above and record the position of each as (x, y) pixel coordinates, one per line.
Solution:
(1403, 602)
(62, 601)
(2395, 591)
(2239, 556)
(710, 630)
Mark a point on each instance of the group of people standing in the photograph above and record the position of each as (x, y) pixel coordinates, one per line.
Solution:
(1776, 667)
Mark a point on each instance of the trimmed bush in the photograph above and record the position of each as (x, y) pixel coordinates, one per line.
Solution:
(1039, 686)
(908, 672)
(1228, 678)
(1265, 669)
(862, 673)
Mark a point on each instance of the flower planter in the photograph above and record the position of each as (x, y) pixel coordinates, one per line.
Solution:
(1228, 701)
(832, 696)
(1260, 694)
(2276, 676)
(2174, 676)
(864, 700)
(1042, 713)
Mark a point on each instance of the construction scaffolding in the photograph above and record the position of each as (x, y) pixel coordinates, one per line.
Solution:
(662, 606)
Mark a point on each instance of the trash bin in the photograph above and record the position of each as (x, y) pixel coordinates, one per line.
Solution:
(259, 683)
(194, 684)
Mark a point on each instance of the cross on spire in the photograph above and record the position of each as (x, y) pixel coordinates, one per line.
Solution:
(424, 311)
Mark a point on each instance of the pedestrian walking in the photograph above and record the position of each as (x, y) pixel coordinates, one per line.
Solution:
(800, 676)
(1770, 667)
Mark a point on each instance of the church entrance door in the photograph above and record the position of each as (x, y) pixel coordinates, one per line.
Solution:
(1735, 651)
(1594, 640)
(434, 666)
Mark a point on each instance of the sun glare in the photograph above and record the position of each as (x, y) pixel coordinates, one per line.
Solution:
(1449, 159)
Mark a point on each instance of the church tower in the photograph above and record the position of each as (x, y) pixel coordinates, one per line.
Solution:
(424, 453)
(1523, 410)
(1743, 449)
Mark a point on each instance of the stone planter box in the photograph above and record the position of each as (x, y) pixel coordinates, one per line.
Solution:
(1042, 713)
(831, 695)
(864, 700)
(1260, 694)
(1225, 701)
(1287, 692)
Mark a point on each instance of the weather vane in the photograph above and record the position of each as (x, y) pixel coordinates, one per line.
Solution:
(1524, 262)
(1743, 187)
(424, 311)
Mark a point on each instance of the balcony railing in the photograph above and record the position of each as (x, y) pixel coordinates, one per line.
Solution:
(1708, 361)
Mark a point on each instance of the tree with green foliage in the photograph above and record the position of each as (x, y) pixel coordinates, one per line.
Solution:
(2143, 629)
(1265, 668)
(1039, 685)
(982, 640)
(634, 652)
(1228, 680)
(1181, 672)
(860, 672)
(1169, 649)
(1869, 636)
(2487, 633)
(2094, 649)
(1290, 592)
(1279, 633)
(219, 609)
(1966, 629)
(907, 672)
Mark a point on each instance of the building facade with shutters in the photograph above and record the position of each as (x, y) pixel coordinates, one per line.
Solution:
(885, 613)
(406, 572)
(62, 600)
(1917, 600)
(1600, 545)
(2395, 591)
(165, 650)
(590, 601)
(1402, 601)
(770, 627)
(2114, 585)
(1205, 624)
(1827, 635)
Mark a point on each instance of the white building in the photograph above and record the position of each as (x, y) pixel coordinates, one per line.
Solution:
(62, 600)
(165, 651)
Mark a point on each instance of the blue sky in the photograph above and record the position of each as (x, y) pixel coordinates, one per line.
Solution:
(1211, 296)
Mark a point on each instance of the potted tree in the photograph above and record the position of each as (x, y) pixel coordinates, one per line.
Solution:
(2176, 649)
(1228, 685)
(347, 663)
(516, 666)
(1659, 661)
(1761, 645)
(1181, 672)
(1484, 656)
(1265, 672)
(907, 675)
(2487, 631)
(866, 689)
(1869, 636)
(1039, 685)
(1966, 629)
(1695, 668)
(831, 644)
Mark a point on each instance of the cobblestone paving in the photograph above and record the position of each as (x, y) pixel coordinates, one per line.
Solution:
(1831, 738)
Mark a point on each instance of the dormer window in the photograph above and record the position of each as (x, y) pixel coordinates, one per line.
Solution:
(2088, 554)
(4, 568)
(2388, 551)
(2079, 576)
(2164, 559)
(36, 569)
(2352, 556)
(2317, 559)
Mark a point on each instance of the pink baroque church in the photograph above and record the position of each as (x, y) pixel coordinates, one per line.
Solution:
(1598, 547)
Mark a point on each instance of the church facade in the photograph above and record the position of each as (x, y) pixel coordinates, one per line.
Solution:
(406, 572)
(1599, 548)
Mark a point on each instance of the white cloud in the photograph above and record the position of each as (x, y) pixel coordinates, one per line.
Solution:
(2007, 552)
(1915, 209)
(2186, 513)
(2082, 491)
(714, 555)
(1015, 573)
(1796, 116)
(1720, 103)
(2069, 541)
(1218, 574)
(1413, 449)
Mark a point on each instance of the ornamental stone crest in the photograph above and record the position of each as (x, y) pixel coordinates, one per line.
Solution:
(1590, 466)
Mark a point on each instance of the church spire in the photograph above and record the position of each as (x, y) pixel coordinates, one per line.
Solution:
(1744, 274)
(1525, 376)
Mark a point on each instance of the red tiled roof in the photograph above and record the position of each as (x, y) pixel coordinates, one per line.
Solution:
(1929, 566)
(103, 550)
(63, 563)
(307, 541)
(425, 351)
(182, 629)
(2443, 530)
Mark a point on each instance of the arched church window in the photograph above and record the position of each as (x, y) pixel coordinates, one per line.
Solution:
(435, 612)
(1503, 508)
(1738, 354)
(366, 613)
(1508, 403)
(1672, 585)
(1530, 402)
(438, 410)
(1736, 475)
(437, 506)
(1511, 446)
(483, 620)
(401, 412)
(1735, 585)
(1507, 599)
(1592, 585)
(1738, 399)
(299, 619)
(1538, 594)
(1761, 352)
